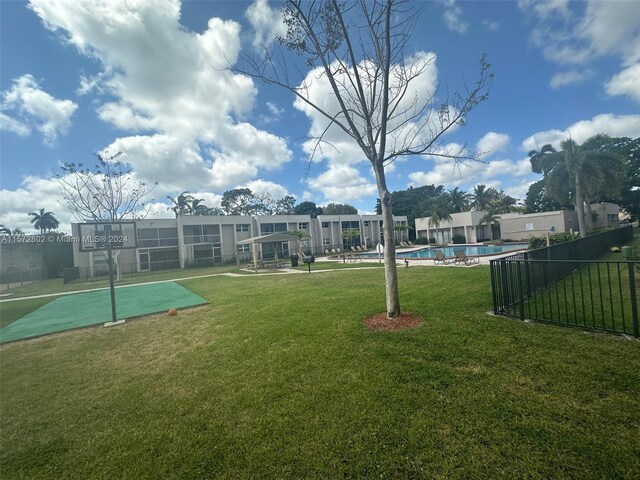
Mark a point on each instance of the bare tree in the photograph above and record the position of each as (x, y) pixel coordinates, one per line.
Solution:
(106, 192)
(361, 49)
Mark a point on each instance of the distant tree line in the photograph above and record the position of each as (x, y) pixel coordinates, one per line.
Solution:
(438, 203)
(242, 201)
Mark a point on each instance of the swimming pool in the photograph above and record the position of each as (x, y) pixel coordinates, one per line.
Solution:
(427, 252)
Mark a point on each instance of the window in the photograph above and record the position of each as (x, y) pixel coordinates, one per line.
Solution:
(33, 265)
(99, 260)
(366, 223)
(268, 228)
(325, 225)
(244, 248)
(303, 226)
(326, 241)
(242, 227)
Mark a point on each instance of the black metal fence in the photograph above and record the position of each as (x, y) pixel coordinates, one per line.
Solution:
(565, 284)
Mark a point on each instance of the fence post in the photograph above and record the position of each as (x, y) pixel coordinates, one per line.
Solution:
(521, 300)
(634, 301)
(492, 265)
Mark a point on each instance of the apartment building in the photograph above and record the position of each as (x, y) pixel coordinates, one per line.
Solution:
(513, 226)
(191, 240)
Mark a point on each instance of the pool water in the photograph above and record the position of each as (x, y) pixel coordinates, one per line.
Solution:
(428, 252)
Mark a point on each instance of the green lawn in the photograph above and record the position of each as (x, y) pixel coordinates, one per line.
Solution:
(278, 378)
(12, 311)
(56, 285)
(595, 295)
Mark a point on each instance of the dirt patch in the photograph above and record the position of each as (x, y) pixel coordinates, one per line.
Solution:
(380, 321)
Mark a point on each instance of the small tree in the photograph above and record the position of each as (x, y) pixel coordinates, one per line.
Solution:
(106, 192)
(339, 209)
(360, 50)
(400, 229)
(438, 215)
(350, 234)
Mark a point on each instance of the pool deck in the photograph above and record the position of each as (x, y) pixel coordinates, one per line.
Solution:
(422, 262)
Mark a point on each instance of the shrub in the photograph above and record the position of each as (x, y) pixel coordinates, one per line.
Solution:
(541, 242)
(459, 239)
(421, 241)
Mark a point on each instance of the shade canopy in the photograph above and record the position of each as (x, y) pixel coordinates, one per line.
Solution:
(273, 237)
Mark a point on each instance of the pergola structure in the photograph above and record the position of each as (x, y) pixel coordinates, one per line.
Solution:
(255, 241)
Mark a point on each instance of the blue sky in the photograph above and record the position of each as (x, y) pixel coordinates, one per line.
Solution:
(79, 77)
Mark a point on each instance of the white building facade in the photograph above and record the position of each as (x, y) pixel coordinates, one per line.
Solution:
(212, 240)
(513, 226)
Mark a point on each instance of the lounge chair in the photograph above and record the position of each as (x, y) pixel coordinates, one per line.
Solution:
(327, 252)
(440, 257)
(353, 249)
(410, 244)
(462, 257)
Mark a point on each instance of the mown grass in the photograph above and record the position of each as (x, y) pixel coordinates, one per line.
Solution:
(12, 311)
(56, 285)
(593, 295)
(278, 378)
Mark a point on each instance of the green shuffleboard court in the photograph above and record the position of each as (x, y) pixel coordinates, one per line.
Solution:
(92, 308)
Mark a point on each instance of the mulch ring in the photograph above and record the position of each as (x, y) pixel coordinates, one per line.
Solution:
(379, 321)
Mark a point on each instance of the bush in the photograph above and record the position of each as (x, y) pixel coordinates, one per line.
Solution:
(458, 239)
(421, 241)
(541, 242)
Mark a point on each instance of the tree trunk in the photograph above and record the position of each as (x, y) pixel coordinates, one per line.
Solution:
(116, 255)
(390, 270)
(580, 207)
(588, 214)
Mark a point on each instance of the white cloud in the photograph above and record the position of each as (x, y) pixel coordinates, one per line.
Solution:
(627, 82)
(519, 190)
(266, 21)
(471, 173)
(12, 125)
(570, 77)
(50, 116)
(492, 143)
(453, 17)
(609, 124)
(33, 194)
(161, 83)
(546, 8)
(491, 25)
(337, 146)
(263, 187)
(341, 183)
(604, 29)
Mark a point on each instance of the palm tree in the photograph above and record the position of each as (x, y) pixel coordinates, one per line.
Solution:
(482, 196)
(44, 221)
(400, 229)
(459, 200)
(587, 171)
(197, 207)
(502, 203)
(351, 234)
(438, 215)
(489, 218)
(181, 204)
